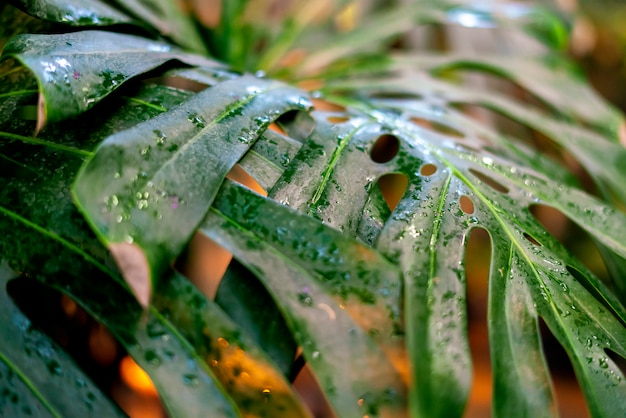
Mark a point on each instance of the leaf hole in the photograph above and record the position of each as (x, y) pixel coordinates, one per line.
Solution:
(204, 263)
(241, 176)
(590, 287)
(532, 240)
(177, 82)
(477, 261)
(296, 124)
(307, 386)
(437, 127)
(393, 186)
(249, 304)
(385, 148)
(467, 205)
(428, 170)
(489, 181)
(569, 397)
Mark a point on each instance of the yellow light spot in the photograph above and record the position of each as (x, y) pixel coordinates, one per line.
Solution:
(266, 391)
(223, 342)
(135, 378)
(360, 402)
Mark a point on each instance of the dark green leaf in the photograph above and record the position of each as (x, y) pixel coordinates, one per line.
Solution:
(169, 19)
(33, 367)
(245, 371)
(37, 216)
(278, 246)
(77, 70)
(74, 12)
(148, 188)
(247, 302)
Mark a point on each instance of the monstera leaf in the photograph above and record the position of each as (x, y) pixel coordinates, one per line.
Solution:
(127, 166)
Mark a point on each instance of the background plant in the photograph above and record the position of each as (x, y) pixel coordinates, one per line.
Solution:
(135, 134)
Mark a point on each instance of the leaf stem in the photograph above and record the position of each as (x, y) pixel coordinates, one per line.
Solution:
(147, 104)
(30, 386)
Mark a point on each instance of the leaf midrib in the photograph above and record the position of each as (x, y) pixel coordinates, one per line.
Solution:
(29, 384)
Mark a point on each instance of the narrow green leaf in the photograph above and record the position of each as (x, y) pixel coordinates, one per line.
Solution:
(77, 70)
(553, 79)
(246, 302)
(33, 367)
(268, 238)
(169, 19)
(148, 188)
(245, 371)
(38, 218)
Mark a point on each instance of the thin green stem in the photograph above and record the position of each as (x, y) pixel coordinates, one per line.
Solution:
(31, 386)
(147, 104)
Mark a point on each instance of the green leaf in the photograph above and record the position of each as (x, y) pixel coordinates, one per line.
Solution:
(249, 376)
(269, 239)
(551, 78)
(169, 19)
(37, 216)
(33, 367)
(156, 173)
(427, 233)
(74, 12)
(247, 302)
(77, 70)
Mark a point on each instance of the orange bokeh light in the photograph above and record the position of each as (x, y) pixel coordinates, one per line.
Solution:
(136, 378)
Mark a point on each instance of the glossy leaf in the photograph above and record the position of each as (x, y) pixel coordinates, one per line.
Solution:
(169, 19)
(74, 12)
(37, 215)
(156, 173)
(250, 306)
(33, 367)
(249, 376)
(267, 238)
(77, 70)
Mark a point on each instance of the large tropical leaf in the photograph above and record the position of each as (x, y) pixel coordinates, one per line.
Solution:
(373, 293)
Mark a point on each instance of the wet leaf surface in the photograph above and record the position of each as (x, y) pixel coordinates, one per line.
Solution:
(156, 173)
(74, 12)
(33, 367)
(77, 70)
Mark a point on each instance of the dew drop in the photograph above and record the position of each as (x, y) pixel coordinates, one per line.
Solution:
(603, 363)
(191, 380)
(197, 120)
(160, 137)
(305, 299)
(152, 358)
(54, 367)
